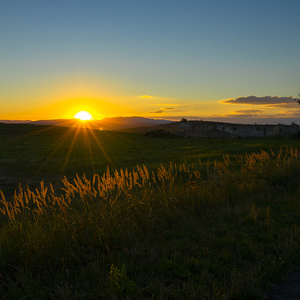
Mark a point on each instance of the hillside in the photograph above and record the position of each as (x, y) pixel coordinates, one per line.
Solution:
(173, 127)
(209, 129)
(112, 124)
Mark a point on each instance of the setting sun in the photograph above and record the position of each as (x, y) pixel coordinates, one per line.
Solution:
(83, 116)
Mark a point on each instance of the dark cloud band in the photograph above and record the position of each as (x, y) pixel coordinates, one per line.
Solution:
(266, 100)
(162, 110)
(157, 111)
(248, 111)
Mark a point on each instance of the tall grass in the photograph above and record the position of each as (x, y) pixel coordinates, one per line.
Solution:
(213, 230)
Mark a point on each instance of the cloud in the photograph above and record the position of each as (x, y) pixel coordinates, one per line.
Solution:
(258, 114)
(249, 111)
(157, 111)
(283, 105)
(245, 113)
(240, 116)
(162, 110)
(269, 101)
(291, 113)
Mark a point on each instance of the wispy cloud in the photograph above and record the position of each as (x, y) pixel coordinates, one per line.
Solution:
(245, 113)
(240, 116)
(258, 114)
(162, 110)
(157, 111)
(270, 101)
(248, 111)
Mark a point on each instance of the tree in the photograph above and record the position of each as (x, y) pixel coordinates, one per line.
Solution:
(183, 120)
(297, 99)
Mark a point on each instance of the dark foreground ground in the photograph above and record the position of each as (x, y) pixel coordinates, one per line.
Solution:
(288, 290)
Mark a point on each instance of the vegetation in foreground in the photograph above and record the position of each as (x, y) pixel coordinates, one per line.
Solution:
(222, 230)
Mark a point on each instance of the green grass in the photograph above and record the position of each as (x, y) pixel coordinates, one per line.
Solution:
(186, 230)
(30, 153)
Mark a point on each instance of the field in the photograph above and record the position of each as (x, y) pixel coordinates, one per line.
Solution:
(97, 214)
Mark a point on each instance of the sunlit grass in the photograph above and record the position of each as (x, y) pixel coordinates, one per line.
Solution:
(205, 230)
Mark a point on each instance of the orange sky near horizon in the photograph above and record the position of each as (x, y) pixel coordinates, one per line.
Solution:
(149, 107)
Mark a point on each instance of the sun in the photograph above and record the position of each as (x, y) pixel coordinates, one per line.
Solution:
(83, 116)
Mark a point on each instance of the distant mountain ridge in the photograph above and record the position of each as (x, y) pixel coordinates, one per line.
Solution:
(15, 121)
(117, 123)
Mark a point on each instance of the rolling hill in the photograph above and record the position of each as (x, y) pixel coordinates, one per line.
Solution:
(117, 123)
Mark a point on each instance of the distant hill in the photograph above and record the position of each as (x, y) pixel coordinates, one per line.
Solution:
(209, 129)
(172, 127)
(118, 123)
(14, 121)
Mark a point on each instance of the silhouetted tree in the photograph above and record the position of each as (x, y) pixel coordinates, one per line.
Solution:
(297, 99)
(183, 120)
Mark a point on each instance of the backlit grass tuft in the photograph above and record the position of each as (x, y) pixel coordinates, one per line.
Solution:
(213, 230)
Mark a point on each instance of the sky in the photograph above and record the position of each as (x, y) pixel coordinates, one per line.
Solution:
(233, 61)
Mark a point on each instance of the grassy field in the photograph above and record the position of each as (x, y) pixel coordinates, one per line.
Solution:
(145, 218)
(31, 153)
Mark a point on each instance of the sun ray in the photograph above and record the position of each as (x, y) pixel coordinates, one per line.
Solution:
(71, 136)
(60, 142)
(64, 166)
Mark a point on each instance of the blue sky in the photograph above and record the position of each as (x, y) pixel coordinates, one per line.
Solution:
(160, 59)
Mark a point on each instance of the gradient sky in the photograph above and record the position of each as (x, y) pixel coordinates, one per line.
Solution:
(236, 61)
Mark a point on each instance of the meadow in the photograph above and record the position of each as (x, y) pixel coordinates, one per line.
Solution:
(96, 214)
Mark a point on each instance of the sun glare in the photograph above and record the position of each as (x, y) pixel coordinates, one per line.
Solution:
(83, 116)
